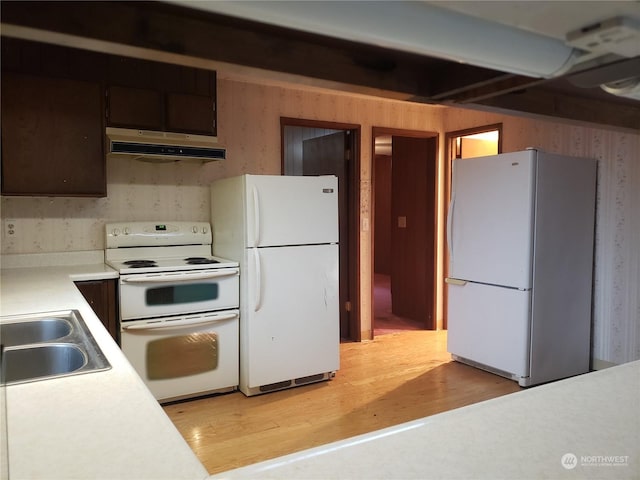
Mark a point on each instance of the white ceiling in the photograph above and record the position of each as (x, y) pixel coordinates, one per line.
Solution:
(551, 18)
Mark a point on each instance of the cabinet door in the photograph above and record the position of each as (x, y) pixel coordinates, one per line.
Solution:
(157, 96)
(190, 100)
(190, 114)
(52, 137)
(101, 295)
(134, 108)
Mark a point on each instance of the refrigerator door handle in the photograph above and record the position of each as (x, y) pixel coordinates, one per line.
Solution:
(450, 224)
(258, 295)
(256, 216)
(455, 281)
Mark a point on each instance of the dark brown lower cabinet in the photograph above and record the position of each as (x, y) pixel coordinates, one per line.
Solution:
(102, 296)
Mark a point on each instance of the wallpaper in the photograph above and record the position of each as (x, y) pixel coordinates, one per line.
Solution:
(249, 128)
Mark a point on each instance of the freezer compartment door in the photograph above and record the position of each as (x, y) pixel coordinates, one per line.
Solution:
(490, 325)
(290, 326)
(291, 210)
(490, 224)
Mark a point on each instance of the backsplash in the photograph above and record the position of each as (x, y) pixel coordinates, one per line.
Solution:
(136, 191)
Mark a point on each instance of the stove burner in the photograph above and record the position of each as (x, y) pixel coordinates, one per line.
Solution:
(140, 263)
(200, 260)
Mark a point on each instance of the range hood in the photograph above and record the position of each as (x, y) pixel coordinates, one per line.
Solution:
(162, 147)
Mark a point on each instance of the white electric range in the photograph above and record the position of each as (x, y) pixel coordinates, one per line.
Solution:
(178, 307)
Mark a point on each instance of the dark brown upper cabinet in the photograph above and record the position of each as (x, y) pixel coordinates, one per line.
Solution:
(134, 108)
(57, 101)
(158, 96)
(52, 136)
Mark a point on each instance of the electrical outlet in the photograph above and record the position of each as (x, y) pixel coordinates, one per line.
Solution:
(10, 227)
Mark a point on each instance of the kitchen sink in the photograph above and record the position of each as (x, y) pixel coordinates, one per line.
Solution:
(38, 361)
(48, 345)
(35, 331)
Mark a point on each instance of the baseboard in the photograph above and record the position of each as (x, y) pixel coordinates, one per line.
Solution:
(597, 364)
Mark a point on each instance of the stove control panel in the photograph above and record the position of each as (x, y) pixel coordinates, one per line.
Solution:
(146, 234)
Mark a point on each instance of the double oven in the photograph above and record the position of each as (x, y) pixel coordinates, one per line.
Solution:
(179, 317)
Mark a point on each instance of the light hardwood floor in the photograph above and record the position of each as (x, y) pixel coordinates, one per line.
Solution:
(393, 379)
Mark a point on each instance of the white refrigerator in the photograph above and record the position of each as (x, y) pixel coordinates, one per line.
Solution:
(283, 230)
(520, 234)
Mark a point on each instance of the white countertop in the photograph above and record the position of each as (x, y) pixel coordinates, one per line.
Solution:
(96, 425)
(107, 424)
(593, 419)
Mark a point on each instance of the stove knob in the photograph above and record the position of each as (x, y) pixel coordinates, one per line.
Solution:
(205, 230)
(126, 231)
(194, 229)
(115, 232)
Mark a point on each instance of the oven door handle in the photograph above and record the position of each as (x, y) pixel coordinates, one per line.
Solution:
(171, 278)
(181, 323)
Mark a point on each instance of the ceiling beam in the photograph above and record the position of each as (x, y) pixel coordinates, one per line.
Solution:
(563, 105)
(169, 28)
(358, 68)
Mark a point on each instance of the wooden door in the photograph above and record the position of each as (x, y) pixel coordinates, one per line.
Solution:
(413, 224)
(327, 155)
(382, 214)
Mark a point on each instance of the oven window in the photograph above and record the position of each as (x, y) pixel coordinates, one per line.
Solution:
(170, 295)
(198, 353)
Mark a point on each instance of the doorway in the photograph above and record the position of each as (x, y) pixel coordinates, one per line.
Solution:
(311, 147)
(404, 229)
(468, 143)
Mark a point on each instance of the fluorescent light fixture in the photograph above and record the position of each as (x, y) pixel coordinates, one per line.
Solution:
(410, 26)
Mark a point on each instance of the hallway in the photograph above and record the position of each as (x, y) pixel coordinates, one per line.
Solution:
(385, 321)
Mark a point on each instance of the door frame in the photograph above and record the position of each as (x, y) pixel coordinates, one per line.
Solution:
(353, 200)
(449, 155)
(398, 132)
